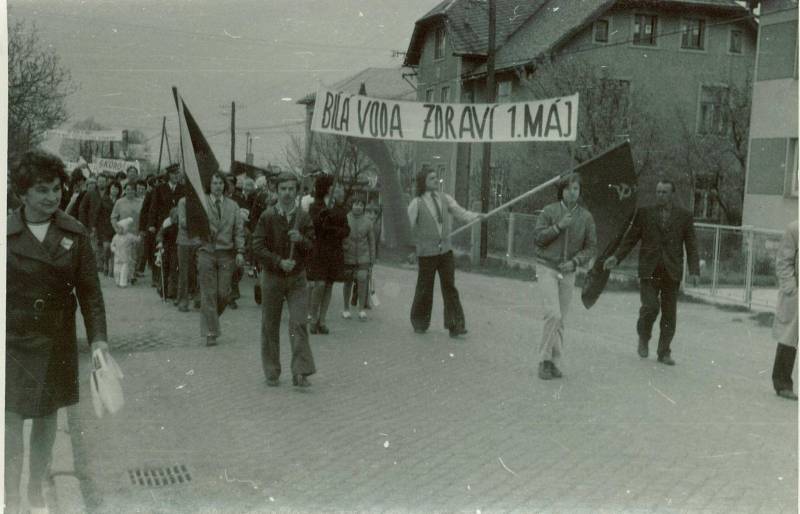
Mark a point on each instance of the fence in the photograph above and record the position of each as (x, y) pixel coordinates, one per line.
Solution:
(737, 264)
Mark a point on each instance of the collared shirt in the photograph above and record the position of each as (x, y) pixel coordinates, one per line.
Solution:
(286, 215)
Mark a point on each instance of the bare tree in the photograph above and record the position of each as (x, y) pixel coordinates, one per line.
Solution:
(37, 88)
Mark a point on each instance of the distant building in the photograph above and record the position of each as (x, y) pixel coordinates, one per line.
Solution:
(770, 199)
(680, 52)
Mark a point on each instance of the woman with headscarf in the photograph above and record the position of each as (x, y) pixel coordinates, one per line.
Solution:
(51, 270)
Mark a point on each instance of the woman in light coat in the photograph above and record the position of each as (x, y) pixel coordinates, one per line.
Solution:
(785, 328)
(359, 255)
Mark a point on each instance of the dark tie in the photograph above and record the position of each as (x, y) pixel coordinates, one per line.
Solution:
(218, 204)
(438, 208)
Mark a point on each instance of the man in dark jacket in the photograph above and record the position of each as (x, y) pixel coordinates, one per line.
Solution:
(282, 244)
(664, 229)
(165, 199)
(148, 238)
(91, 209)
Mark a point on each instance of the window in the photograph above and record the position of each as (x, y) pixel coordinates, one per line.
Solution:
(445, 94)
(713, 109)
(439, 42)
(503, 91)
(693, 34)
(601, 31)
(735, 46)
(644, 29)
(429, 95)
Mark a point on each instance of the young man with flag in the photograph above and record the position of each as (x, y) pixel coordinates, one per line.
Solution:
(218, 257)
(282, 245)
(566, 238)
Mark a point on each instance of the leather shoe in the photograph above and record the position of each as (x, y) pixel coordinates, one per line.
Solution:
(458, 332)
(183, 308)
(787, 393)
(554, 371)
(643, 350)
(313, 328)
(233, 305)
(544, 370)
(322, 329)
(419, 330)
(300, 381)
(211, 341)
(272, 381)
(666, 359)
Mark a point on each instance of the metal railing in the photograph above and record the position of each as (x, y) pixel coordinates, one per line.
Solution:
(737, 264)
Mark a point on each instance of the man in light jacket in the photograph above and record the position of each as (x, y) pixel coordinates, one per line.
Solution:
(785, 328)
(565, 238)
(430, 214)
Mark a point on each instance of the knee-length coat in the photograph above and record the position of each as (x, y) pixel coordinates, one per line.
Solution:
(43, 281)
(785, 326)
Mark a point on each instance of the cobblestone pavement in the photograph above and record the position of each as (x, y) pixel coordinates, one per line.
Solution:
(402, 422)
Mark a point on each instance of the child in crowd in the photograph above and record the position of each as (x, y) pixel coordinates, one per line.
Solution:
(123, 246)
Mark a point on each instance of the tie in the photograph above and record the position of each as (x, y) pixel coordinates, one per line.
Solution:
(218, 204)
(438, 208)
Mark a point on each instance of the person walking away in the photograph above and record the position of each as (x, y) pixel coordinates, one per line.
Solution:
(359, 256)
(566, 238)
(51, 271)
(123, 246)
(430, 214)
(217, 258)
(187, 262)
(784, 328)
(664, 229)
(329, 217)
(165, 199)
(282, 245)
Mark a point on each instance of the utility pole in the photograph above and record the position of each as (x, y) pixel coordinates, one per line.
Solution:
(487, 147)
(161, 144)
(233, 133)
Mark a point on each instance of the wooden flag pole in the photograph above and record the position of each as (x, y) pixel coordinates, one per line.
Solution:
(513, 201)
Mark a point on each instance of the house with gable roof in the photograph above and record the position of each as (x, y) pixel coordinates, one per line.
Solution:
(680, 52)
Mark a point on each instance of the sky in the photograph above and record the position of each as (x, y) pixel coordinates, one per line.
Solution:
(125, 56)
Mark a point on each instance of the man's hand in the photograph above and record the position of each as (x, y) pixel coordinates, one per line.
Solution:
(565, 222)
(567, 267)
(239, 260)
(694, 280)
(287, 265)
(295, 236)
(610, 263)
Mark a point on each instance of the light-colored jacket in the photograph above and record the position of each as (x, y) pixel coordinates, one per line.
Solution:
(227, 231)
(359, 246)
(784, 328)
(431, 237)
(577, 243)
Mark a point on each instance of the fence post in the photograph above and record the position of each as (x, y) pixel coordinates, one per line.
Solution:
(716, 262)
(748, 277)
(512, 221)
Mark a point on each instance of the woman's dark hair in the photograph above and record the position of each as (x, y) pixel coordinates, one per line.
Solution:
(322, 186)
(116, 184)
(152, 181)
(422, 178)
(120, 176)
(76, 177)
(141, 182)
(220, 176)
(572, 178)
(36, 166)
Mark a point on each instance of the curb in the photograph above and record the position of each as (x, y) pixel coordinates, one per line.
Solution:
(68, 495)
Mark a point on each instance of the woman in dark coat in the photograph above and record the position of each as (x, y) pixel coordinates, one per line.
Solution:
(329, 215)
(49, 263)
(105, 230)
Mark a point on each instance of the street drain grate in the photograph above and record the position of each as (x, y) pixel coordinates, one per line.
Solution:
(160, 477)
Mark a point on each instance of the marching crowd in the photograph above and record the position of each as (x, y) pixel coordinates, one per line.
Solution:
(63, 232)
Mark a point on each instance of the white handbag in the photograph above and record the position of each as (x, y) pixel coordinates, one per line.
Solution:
(105, 384)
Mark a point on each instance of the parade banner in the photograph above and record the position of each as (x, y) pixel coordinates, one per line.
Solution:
(88, 135)
(345, 114)
(114, 165)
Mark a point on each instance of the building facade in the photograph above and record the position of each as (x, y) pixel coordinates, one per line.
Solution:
(770, 199)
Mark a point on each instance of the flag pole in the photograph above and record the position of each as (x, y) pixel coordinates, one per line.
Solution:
(513, 201)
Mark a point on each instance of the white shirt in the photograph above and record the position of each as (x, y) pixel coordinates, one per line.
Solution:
(39, 230)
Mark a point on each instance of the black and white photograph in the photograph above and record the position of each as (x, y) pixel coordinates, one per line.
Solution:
(400, 256)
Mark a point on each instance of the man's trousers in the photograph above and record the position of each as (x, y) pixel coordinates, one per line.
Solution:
(556, 296)
(423, 296)
(658, 292)
(274, 290)
(214, 272)
(187, 274)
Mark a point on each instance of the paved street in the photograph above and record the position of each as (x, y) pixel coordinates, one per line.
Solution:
(400, 422)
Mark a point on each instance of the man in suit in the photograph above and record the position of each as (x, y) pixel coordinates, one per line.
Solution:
(165, 199)
(218, 257)
(664, 229)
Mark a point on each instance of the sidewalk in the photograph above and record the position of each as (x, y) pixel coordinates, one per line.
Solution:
(400, 422)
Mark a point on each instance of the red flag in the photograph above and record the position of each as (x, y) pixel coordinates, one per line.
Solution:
(199, 164)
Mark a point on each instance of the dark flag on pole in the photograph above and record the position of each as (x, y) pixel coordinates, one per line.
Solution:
(608, 189)
(199, 164)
